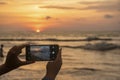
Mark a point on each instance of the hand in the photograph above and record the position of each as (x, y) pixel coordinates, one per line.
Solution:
(12, 60)
(54, 67)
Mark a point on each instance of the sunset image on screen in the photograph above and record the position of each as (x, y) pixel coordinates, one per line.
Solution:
(86, 31)
(38, 30)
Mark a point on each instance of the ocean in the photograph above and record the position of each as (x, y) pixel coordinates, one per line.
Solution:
(78, 63)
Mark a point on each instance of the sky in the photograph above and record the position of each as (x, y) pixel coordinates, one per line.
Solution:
(59, 15)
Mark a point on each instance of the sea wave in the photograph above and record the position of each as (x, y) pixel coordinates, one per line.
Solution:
(98, 46)
(55, 39)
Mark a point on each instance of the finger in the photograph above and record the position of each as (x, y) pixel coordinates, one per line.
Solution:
(13, 50)
(22, 46)
(59, 53)
(27, 62)
(17, 51)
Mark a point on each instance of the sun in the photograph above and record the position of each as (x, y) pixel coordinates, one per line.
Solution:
(37, 30)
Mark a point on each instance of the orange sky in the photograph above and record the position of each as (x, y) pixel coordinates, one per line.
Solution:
(59, 15)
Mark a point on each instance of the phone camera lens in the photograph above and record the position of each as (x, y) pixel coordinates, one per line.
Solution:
(53, 52)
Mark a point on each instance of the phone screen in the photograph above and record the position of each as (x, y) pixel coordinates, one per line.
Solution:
(41, 52)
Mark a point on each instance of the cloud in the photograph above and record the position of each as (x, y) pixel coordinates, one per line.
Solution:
(98, 2)
(108, 16)
(48, 17)
(111, 5)
(89, 3)
(107, 8)
(103, 6)
(3, 3)
(59, 7)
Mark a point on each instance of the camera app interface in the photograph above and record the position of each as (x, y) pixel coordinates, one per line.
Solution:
(41, 53)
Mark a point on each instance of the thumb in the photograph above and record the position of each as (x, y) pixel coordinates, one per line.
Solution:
(59, 53)
(27, 62)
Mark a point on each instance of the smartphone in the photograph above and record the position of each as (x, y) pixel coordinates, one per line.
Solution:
(41, 52)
